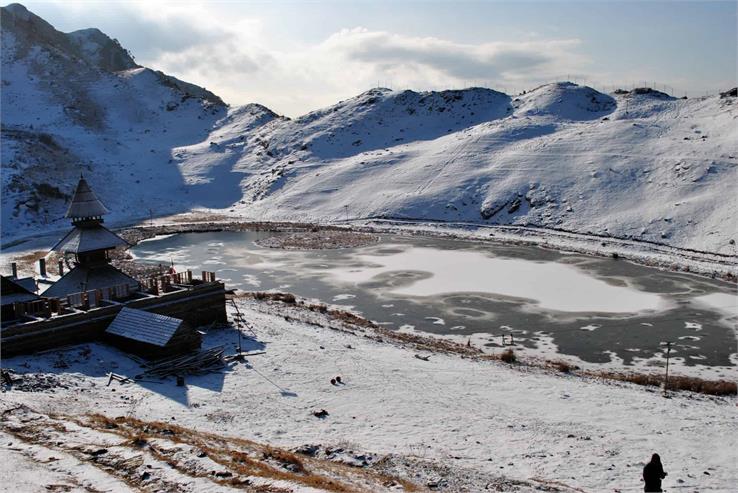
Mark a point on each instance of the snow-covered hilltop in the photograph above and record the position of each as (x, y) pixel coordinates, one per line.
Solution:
(637, 164)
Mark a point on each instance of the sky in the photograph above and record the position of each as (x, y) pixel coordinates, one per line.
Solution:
(295, 57)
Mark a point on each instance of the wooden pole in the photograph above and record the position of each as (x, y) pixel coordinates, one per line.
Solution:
(666, 377)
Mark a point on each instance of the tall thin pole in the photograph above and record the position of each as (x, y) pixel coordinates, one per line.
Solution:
(666, 377)
(238, 326)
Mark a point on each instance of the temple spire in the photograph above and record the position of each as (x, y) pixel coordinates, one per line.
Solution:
(85, 204)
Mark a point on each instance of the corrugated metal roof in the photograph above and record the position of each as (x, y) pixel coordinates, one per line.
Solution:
(85, 203)
(85, 278)
(142, 326)
(88, 239)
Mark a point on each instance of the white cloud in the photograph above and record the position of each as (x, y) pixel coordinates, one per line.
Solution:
(234, 53)
(244, 68)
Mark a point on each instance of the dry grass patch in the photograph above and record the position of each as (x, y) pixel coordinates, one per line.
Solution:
(29, 261)
(676, 382)
(508, 356)
(287, 459)
(319, 239)
(562, 365)
(241, 457)
(288, 298)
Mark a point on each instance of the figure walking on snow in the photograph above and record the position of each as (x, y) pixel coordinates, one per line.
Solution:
(653, 473)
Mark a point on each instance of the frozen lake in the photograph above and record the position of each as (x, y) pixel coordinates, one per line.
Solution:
(600, 310)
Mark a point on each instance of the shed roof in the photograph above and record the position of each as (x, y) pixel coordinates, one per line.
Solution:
(28, 283)
(85, 203)
(89, 277)
(147, 327)
(12, 291)
(88, 239)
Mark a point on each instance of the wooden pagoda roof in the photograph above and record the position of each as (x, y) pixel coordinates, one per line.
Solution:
(88, 239)
(85, 203)
(84, 277)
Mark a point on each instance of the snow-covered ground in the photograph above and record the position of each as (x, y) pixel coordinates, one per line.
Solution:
(477, 417)
(640, 165)
(562, 165)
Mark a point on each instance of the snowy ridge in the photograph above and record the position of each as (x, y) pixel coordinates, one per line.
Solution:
(636, 165)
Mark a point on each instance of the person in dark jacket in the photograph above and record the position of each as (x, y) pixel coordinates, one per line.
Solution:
(653, 473)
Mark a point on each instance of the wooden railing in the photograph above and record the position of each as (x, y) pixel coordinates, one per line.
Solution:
(94, 298)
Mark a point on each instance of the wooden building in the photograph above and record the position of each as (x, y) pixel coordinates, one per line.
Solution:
(87, 245)
(84, 302)
(151, 335)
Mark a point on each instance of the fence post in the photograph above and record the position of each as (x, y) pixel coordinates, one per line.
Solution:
(666, 377)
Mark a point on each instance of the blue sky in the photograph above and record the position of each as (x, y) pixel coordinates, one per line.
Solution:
(298, 56)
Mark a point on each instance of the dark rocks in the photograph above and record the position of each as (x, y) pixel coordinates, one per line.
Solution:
(32, 382)
(308, 449)
(514, 206)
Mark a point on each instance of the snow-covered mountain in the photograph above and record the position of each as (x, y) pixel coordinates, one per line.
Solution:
(637, 164)
(78, 103)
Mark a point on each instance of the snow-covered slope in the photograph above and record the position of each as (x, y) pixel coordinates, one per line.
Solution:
(78, 103)
(637, 164)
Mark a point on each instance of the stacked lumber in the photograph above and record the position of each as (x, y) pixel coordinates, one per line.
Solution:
(199, 363)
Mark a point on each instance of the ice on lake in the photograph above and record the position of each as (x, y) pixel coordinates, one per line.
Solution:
(553, 285)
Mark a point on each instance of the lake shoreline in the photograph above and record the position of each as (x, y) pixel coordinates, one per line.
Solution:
(706, 264)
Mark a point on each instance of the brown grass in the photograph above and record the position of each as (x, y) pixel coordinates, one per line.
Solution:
(29, 261)
(241, 456)
(562, 365)
(288, 298)
(508, 356)
(317, 307)
(351, 318)
(676, 382)
(285, 458)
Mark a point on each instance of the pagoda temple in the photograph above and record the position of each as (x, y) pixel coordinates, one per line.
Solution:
(152, 317)
(88, 246)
